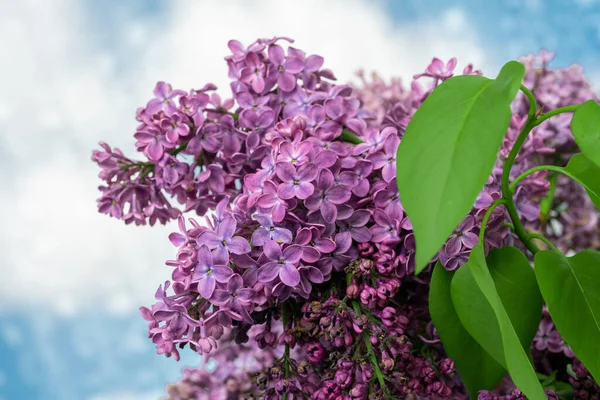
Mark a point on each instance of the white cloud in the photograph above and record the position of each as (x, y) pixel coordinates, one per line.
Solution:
(66, 93)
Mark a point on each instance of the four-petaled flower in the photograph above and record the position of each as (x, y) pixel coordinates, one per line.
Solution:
(296, 183)
(327, 196)
(164, 99)
(223, 240)
(207, 273)
(236, 297)
(281, 263)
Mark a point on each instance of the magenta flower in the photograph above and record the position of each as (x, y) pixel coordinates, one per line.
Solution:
(207, 273)
(269, 231)
(223, 239)
(313, 245)
(254, 72)
(387, 229)
(282, 70)
(386, 159)
(282, 264)
(175, 127)
(294, 153)
(153, 143)
(327, 196)
(235, 297)
(462, 237)
(355, 224)
(438, 70)
(296, 183)
(164, 99)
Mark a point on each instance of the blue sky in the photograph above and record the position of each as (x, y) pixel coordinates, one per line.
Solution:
(73, 279)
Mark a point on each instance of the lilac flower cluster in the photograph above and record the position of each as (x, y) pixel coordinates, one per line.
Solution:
(306, 256)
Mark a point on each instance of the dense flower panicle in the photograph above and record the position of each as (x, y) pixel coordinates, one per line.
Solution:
(303, 227)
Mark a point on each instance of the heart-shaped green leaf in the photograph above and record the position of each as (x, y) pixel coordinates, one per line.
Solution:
(448, 151)
(585, 126)
(476, 368)
(587, 174)
(482, 303)
(571, 288)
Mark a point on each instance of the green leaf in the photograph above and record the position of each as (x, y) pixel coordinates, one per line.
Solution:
(587, 174)
(570, 287)
(476, 368)
(483, 299)
(585, 126)
(448, 152)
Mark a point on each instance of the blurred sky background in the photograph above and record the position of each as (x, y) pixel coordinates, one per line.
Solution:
(72, 73)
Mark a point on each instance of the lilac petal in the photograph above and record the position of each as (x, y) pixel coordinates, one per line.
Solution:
(303, 236)
(272, 250)
(206, 286)
(379, 234)
(360, 218)
(362, 188)
(222, 274)
(329, 212)
(313, 202)
(245, 294)
(315, 275)
(220, 297)
(289, 275)
(276, 55)
(361, 234)
(304, 190)
(286, 190)
(339, 194)
(325, 158)
(238, 245)
(325, 180)
(177, 239)
(162, 90)
(453, 246)
(227, 227)
(205, 256)
(260, 236)
(307, 172)
(154, 106)
(381, 218)
(310, 254)
(278, 212)
(281, 235)
(314, 63)
(210, 239)
(294, 65)
(292, 254)
(268, 272)
(154, 151)
(389, 172)
(469, 239)
(286, 81)
(286, 171)
(325, 245)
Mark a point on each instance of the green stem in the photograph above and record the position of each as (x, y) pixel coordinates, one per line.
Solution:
(346, 136)
(554, 168)
(545, 240)
(507, 193)
(367, 342)
(557, 111)
(486, 217)
(286, 352)
(532, 102)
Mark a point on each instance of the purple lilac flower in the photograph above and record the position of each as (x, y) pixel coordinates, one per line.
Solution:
(207, 273)
(223, 240)
(282, 264)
